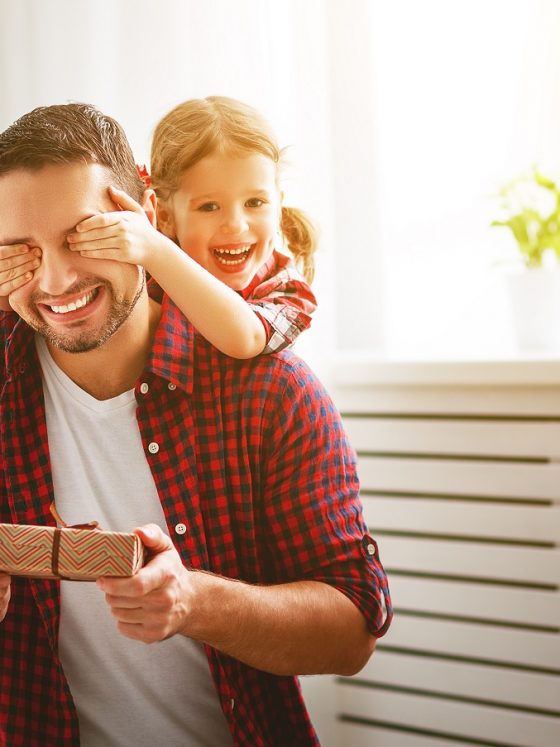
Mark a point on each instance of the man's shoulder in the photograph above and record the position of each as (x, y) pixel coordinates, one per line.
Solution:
(283, 363)
(266, 375)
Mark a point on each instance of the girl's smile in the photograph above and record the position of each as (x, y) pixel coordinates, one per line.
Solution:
(226, 214)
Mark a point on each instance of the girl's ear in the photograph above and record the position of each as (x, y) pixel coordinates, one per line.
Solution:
(149, 204)
(165, 222)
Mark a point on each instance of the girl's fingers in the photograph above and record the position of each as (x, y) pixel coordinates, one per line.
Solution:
(101, 220)
(124, 200)
(101, 233)
(13, 250)
(92, 245)
(105, 254)
(12, 268)
(7, 287)
(17, 264)
(18, 261)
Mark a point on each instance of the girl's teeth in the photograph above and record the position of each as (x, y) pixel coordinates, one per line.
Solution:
(223, 255)
(231, 261)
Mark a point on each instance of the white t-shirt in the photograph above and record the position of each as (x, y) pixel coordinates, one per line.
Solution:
(126, 692)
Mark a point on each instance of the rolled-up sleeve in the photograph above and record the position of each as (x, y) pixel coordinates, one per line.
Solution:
(313, 516)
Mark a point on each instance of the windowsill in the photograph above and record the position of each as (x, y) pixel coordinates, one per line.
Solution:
(363, 368)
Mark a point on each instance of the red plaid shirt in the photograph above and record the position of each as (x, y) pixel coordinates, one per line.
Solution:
(254, 461)
(282, 300)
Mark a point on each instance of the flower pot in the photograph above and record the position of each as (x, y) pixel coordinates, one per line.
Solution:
(535, 305)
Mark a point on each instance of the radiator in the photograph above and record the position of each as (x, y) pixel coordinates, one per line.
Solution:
(461, 488)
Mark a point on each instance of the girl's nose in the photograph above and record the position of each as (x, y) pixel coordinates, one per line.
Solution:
(235, 222)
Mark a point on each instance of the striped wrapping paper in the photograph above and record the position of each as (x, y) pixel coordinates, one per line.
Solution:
(77, 554)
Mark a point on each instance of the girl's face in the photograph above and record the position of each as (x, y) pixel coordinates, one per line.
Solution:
(225, 214)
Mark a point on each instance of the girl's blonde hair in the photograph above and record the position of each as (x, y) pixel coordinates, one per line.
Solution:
(201, 127)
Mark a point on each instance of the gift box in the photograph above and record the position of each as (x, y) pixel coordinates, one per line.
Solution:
(69, 553)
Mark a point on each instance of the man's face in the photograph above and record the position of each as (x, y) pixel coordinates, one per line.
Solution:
(76, 303)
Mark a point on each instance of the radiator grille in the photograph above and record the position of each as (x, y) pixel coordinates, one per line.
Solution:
(462, 490)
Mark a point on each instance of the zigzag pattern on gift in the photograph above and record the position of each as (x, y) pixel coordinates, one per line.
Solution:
(82, 554)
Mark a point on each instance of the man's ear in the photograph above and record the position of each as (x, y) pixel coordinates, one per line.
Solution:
(148, 201)
(165, 221)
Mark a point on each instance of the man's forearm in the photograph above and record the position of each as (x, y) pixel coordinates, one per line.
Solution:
(304, 627)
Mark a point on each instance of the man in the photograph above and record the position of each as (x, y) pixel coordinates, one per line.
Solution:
(237, 473)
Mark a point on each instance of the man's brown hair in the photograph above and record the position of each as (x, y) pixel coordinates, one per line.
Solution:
(70, 133)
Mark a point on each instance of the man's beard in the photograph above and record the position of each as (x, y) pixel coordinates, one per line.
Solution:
(119, 311)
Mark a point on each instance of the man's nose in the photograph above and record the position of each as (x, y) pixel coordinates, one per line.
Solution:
(234, 222)
(57, 271)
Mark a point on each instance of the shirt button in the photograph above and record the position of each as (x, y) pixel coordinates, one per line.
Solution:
(144, 387)
(370, 549)
(171, 387)
(153, 448)
(232, 704)
(180, 529)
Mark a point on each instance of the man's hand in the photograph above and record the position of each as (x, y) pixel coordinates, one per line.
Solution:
(302, 627)
(4, 594)
(125, 235)
(155, 603)
(17, 265)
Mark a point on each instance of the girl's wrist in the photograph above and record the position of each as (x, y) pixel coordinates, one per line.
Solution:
(159, 253)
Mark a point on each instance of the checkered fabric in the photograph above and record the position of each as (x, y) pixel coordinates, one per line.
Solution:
(252, 459)
(282, 300)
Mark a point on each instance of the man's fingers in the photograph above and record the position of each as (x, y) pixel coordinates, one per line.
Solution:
(153, 538)
(4, 594)
(5, 580)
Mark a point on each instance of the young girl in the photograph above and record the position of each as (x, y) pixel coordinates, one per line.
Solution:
(215, 171)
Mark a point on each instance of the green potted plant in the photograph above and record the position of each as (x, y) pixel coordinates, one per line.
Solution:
(530, 209)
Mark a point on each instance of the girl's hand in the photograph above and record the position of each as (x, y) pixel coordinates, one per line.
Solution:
(18, 262)
(125, 235)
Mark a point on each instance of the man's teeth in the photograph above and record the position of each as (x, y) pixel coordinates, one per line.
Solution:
(222, 254)
(83, 301)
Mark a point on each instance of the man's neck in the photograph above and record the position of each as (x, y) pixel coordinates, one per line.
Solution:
(115, 366)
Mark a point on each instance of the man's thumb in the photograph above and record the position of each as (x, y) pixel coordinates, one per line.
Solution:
(153, 538)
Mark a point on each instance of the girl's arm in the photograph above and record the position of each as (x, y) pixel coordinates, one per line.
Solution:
(283, 300)
(217, 311)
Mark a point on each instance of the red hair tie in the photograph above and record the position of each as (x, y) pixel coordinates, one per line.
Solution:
(143, 174)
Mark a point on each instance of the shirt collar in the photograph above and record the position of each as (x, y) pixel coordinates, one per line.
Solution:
(173, 347)
(18, 343)
(171, 356)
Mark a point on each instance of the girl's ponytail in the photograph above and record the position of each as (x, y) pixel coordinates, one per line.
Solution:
(301, 237)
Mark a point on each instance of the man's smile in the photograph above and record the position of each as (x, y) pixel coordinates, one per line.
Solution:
(77, 304)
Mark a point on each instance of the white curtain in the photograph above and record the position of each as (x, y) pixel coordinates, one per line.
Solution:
(405, 119)
(298, 62)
